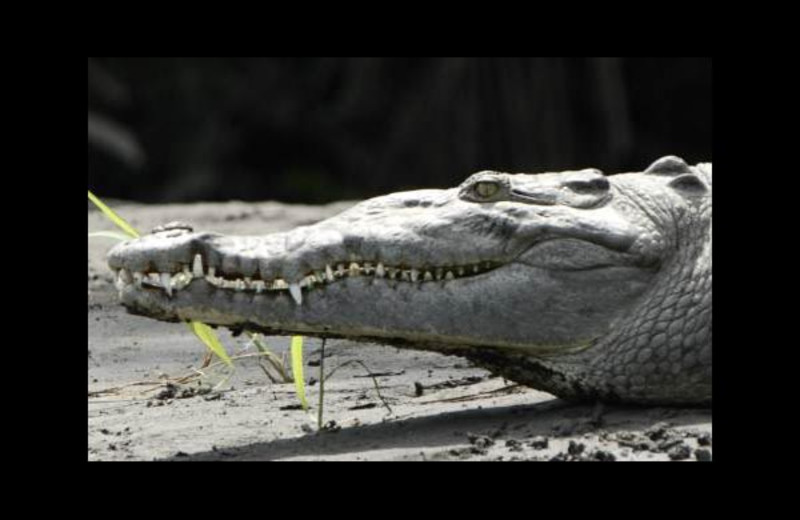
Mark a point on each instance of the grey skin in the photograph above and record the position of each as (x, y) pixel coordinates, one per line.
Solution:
(586, 286)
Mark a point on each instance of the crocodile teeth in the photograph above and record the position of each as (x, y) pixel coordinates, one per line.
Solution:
(211, 278)
(166, 281)
(180, 280)
(118, 282)
(172, 282)
(125, 276)
(297, 294)
(197, 266)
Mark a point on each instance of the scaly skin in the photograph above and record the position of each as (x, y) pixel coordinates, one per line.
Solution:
(586, 286)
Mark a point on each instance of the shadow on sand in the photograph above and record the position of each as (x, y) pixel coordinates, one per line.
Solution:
(446, 430)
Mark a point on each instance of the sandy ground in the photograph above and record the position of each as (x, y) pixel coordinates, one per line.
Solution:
(148, 401)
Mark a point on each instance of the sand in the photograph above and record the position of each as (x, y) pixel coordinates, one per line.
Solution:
(148, 399)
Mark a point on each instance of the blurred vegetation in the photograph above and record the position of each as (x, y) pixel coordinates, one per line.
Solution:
(323, 129)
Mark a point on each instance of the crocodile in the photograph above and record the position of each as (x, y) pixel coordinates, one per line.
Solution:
(585, 285)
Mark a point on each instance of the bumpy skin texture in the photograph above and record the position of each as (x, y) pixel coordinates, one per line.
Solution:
(659, 353)
(586, 286)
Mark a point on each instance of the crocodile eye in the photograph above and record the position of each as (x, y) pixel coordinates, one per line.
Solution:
(485, 189)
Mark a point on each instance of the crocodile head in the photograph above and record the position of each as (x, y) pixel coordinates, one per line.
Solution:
(540, 265)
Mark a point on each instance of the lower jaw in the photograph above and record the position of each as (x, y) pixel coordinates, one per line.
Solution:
(517, 310)
(334, 312)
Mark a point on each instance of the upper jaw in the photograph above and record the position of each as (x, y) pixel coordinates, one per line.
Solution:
(172, 263)
(220, 277)
(316, 256)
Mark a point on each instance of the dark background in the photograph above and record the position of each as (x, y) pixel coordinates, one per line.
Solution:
(322, 129)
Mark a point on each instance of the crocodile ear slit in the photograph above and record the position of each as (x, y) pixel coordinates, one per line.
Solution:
(669, 165)
(594, 185)
(688, 183)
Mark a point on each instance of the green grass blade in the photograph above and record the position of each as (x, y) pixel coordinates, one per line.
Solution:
(116, 235)
(297, 370)
(207, 336)
(116, 219)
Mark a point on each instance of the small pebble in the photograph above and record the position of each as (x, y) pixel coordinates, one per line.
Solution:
(604, 456)
(667, 444)
(331, 427)
(576, 448)
(480, 441)
(657, 431)
(704, 439)
(514, 445)
(702, 454)
(680, 452)
(540, 443)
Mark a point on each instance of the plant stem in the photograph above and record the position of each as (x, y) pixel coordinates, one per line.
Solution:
(321, 384)
(369, 373)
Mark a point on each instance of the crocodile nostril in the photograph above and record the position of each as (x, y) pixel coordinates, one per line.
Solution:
(173, 226)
